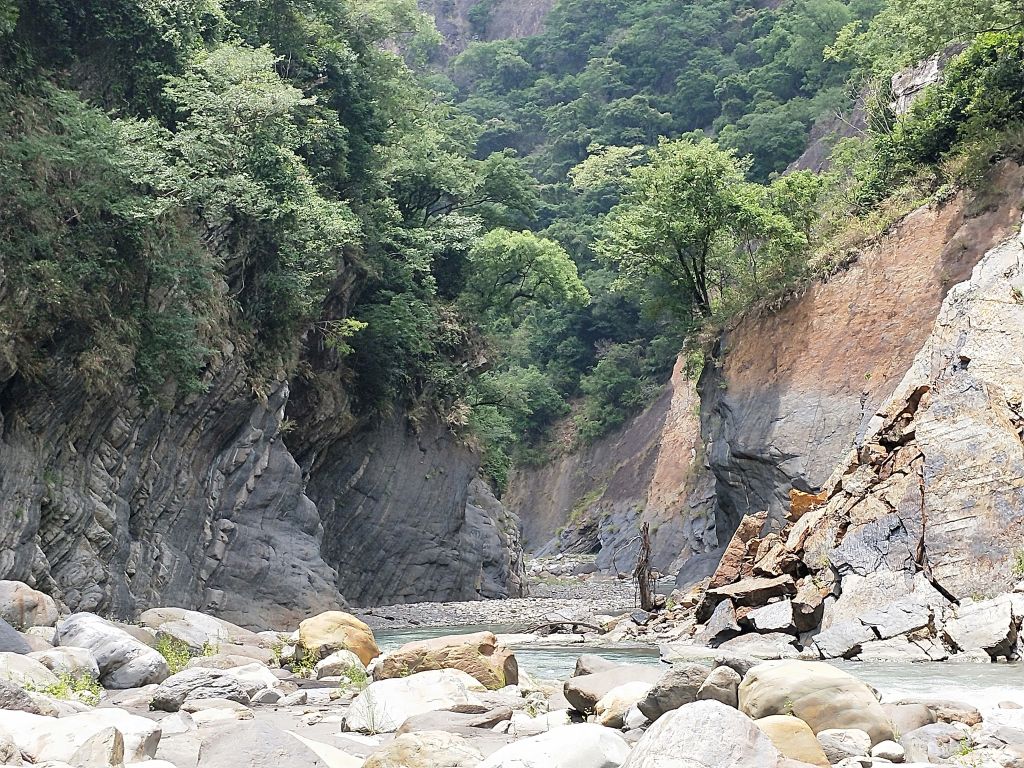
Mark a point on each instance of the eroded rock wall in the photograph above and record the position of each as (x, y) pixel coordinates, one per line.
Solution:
(504, 19)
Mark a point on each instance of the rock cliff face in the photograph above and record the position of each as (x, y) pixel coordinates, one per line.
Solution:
(502, 20)
(785, 398)
(651, 471)
(115, 507)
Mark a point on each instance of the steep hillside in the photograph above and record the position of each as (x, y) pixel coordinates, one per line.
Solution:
(462, 22)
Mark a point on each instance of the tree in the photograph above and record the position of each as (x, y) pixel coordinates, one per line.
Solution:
(507, 270)
(686, 215)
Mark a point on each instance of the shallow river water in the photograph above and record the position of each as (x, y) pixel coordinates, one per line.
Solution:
(982, 685)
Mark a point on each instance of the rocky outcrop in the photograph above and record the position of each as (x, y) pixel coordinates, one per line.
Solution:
(790, 392)
(650, 471)
(461, 22)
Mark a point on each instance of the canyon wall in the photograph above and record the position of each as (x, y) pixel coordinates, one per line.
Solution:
(114, 506)
(784, 397)
(502, 20)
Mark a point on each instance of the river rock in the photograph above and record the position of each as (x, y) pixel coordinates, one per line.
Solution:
(220, 661)
(721, 626)
(988, 626)
(841, 743)
(255, 745)
(755, 591)
(793, 738)
(339, 663)
(575, 746)
(889, 750)
(735, 552)
(124, 661)
(24, 670)
(934, 743)
(478, 655)
(333, 631)
(426, 749)
(23, 607)
(198, 683)
(590, 663)
(68, 660)
(104, 749)
(611, 709)
(705, 733)
(585, 691)
(899, 617)
(901, 649)
(47, 738)
(721, 685)
(14, 697)
(774, 645)
(774, 617)
(908, 717)
(196, 630)
(843, 640)
(675, 688)
(11, 641)
(386, 704)
(819, 694)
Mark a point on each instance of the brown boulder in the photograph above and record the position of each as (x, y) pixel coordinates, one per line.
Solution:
(478, 655)
(732, 559)
(801, 503)
(322, 635)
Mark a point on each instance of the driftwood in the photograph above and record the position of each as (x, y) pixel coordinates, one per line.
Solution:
(547, 629)
(643, 577)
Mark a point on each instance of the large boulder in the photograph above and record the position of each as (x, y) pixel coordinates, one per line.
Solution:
(47, 738)
(819, 694)
(255, 745)
(124, 662)
(198, 683)
(14, 697)
(841, 743)
(340, 663)
(675, 688)
(988, 626)
(721, 685)
(477, 654)
(705, 734)
(322, 635)
(196, 630)
(24, 670)
(573, 746)
(613, 706)
(585, 691)
(934, 743)
(426, 749)
(386, 704)
(793, 738)
(23, 607)
(70, 661)
(12, 641)
(844, 639)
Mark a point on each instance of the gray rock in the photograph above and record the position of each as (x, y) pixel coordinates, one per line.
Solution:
(774, 645)
(590, 663)
(13, 697)
(902, 650)
(934, 743)
(426, 749)
(104, 749)
(585, 691)
(841, 743)
(124, 662)
(843, 640)
(721, 685)
(198, 683)
(22, 607)
(889, 750)
(254, 745)
(774, 617)
(721, 626)
(705, 733)
(988, 626)
(11, 641)
(899, 617)
(677, 687)
(908, 717)
(574, 746)
(10, 755)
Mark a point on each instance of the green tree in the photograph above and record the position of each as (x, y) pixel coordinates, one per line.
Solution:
(507, 270)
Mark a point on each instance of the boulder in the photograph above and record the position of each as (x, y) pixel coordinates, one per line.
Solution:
(385, 704)
(23, 607)
(339, 663)
(903, 650)
(35, 642)
(124, 661)
(219, 661)
(754, 592)
(585, 691)
(774, 645)
(46, 738)
(675, 688)
(819, 694)
(253, 678)
(14, 697)
(477, 654)
(213, 710)
(255, 745)
(722, 686)
(11, 641)
(104, 749)
(455, 722)
(612, 707)
(426, 749)
(808, 606)
(899, 617)
(793, 738)
(705, 733)
(841, 743)
(24, 670)
(731, 563)
(889, 750)
(843, 640)
(590, 663)
(721, 626)
(198, 683)
(908, 717)
(68, 660)
(574, 746)
(934, 743)
(331, 755)
(196, 630)
(9, 752)
(774, 617)
(333, 631)
(988, 626)
(945, 711)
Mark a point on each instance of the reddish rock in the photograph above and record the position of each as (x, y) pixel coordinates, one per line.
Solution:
(801, 503)
(732, 559)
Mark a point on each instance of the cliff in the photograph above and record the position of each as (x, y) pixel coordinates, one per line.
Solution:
(114, 507)
(461, 22)
(784, 398)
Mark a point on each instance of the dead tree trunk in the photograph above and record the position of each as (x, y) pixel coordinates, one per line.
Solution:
(642, 576)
